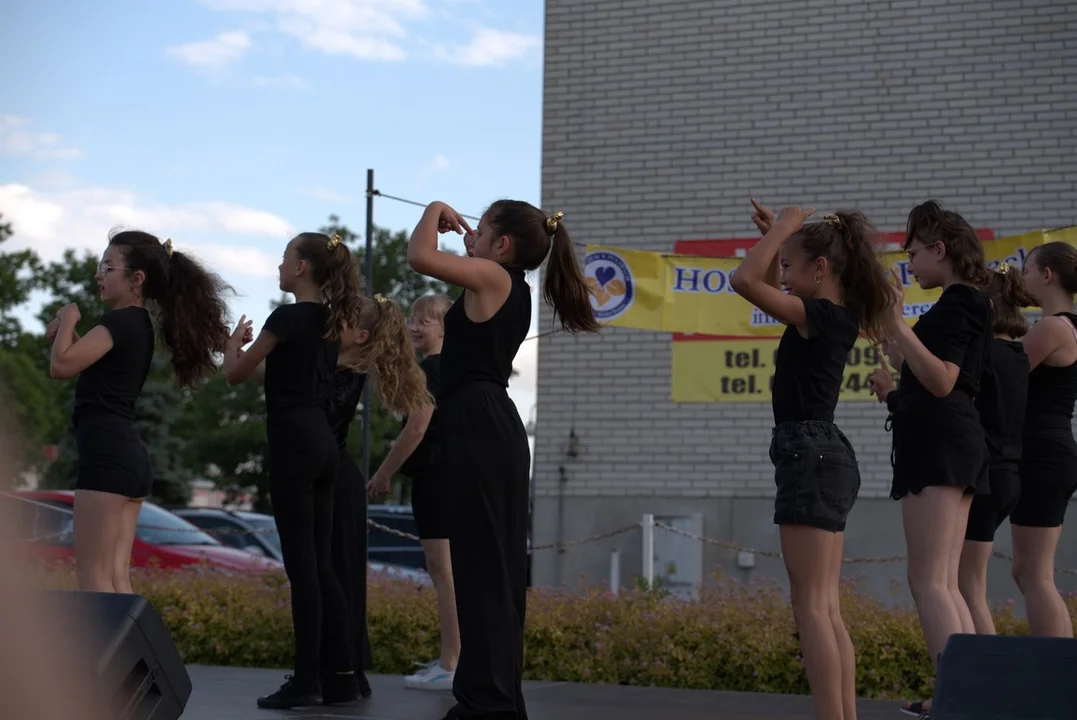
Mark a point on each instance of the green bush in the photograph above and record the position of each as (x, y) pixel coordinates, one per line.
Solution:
(735, 637)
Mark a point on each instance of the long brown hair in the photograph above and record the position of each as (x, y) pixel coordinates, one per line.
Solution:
(533, 233)
(845, 239)
(929, 223)
(1006, 291)
(191, 312)
(333, 269)
(388, 356)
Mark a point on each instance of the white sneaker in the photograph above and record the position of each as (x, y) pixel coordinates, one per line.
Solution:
(431, 677)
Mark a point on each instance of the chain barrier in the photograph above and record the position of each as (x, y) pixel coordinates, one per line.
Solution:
(725, 545)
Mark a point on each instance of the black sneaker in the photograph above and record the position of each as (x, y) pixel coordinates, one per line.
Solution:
(364, 685)
(293, 693)
(916, 710)
(339, 689)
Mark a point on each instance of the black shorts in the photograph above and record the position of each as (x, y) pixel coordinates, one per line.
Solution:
(1048, 478)
(988, 511)
(431, 503)
(816, 473)
(112, 456)
(939, 445)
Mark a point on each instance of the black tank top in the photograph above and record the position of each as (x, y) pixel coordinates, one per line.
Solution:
(483, 352)
(1002, 399)
(1052, 392)
(340, 410)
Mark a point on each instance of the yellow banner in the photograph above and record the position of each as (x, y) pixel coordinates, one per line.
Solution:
(743, 370)
(689, 294)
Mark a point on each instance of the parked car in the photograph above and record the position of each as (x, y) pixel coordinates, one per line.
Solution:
(162, 539)
(256, 533)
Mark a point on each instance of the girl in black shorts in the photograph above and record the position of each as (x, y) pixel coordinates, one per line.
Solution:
(1001, 405)
(417, 453)
(1049, 455)
(835, 288)
(300, 343)
(112, 361)
(486, 459)
(940, 451)
(378, 345)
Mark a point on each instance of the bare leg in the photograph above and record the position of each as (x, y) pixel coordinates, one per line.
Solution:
(1034, 571)
(121, 568)
(845, 643)
(929, 520)
(957, 544)
(97, 531)
(439, 565)
(972, 581)
(808, 554)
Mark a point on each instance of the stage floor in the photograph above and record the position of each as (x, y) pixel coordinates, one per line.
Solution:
(229, 694)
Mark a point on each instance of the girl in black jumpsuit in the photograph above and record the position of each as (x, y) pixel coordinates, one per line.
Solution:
(379, 345)
(1049, 454)
(300, 344)
(486, 455)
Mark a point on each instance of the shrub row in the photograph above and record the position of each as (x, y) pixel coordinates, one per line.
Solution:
(734, 637)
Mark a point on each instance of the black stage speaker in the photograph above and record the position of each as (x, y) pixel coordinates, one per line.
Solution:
(996, 677)
(136, 665)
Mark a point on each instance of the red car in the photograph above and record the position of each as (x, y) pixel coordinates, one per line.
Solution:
(162, 539)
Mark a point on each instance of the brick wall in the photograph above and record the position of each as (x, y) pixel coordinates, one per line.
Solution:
(662, 117)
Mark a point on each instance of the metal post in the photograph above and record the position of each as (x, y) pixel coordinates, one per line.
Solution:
(615, 572)
(648, 549)
(369, 274)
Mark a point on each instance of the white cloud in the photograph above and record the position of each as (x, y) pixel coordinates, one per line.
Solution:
(328, 195)
(439, 164)
(366, 29)
(17, 137)
(81, 218)
(489, 47)
(215, 53)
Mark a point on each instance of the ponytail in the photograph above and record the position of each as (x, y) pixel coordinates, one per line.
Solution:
(533, 234)
(1007, 293)
(388, 356)
(191, 312)
(192, 318)
(333, 269)
(565, 288)
(845, 239)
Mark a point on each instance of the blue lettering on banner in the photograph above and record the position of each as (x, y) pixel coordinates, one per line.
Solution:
(694, 280)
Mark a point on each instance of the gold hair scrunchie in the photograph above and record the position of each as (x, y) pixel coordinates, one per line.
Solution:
(333, 242)
(1003, 268)
(832, 219)
(168, 247)
(381, 298)
(552, 222)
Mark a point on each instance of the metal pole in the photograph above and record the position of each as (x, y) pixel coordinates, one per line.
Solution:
(369, 274)
(615, 572)
(648, 549)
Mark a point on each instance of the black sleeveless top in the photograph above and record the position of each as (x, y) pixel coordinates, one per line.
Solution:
(427, 455)
(343, 402)
(299, 370)
(483, 352)
(1052, 392)
(1001, 401)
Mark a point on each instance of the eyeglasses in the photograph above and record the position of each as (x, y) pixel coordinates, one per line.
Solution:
(103, 268)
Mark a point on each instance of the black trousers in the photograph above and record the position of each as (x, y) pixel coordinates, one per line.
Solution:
(303, 464)
(350, 555)
(487, 463)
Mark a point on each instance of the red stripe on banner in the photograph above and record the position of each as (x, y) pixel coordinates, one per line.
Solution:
(727, 248)
(699, 337)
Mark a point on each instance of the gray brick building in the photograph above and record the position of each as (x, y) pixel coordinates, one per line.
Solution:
(661, 118)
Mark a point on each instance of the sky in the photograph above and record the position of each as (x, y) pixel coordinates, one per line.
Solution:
(230, 125)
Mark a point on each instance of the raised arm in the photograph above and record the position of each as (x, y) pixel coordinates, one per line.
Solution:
(476, 274)
(71, 354)
(750, 279)
(240, 364)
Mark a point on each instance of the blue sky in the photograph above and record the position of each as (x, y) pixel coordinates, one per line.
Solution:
(228, 125)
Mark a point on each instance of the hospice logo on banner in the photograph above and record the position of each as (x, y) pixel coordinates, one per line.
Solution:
(693, 294)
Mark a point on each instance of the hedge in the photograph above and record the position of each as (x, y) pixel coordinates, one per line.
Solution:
(734, 637)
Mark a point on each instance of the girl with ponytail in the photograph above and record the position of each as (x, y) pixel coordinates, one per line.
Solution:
(836, 288)
(114, 472)
(486, 459)
(300, 345)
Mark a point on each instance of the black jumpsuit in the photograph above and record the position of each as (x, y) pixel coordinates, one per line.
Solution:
(487, 465)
